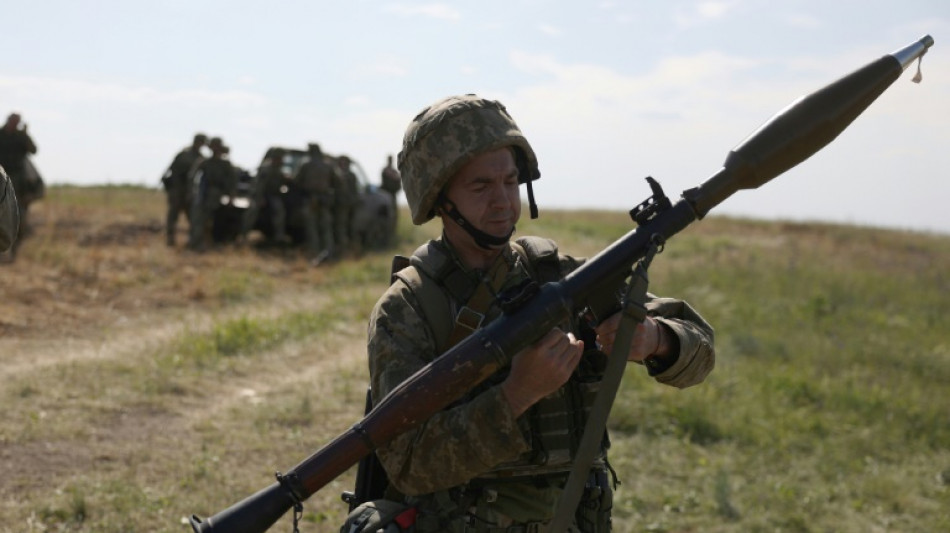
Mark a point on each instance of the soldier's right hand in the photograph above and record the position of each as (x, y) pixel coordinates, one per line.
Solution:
(541, 369)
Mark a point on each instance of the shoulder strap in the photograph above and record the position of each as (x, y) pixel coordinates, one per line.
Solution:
(471, 315)
(423, 274)
(433, 260)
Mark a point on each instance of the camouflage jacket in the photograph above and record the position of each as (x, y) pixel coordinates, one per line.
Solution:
(9, 213)
(14, 147)
(315, 177)
(181, 168)
(347, 189)
(470, 438)
(390, 180)
(215, 178)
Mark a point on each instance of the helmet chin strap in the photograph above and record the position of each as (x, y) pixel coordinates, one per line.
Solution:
(482, 239)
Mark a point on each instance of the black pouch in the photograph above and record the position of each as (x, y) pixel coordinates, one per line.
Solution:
(593, 511)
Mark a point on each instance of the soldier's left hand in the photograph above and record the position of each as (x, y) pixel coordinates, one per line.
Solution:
(648, 339)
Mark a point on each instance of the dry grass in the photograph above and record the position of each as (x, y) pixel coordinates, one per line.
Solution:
(142, 384)
(125, 409)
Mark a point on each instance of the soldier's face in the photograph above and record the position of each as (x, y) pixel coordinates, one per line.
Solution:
(486, 192)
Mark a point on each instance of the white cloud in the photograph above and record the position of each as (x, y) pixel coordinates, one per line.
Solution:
(804, 21)
(549, 29)
(714, 9)
(390, 69)
(380, 68)
(356, 100)
(62, 90)
(435, 10)
(702, 12)
(673, 83)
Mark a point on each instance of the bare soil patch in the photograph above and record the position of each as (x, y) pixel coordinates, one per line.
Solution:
(95, 290)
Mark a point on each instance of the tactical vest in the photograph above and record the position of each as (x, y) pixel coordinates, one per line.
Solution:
(556, 423)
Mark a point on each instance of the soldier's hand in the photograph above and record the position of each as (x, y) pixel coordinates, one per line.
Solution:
(541, 369)
(650, 338)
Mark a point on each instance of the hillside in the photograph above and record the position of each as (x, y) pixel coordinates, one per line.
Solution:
(142, 384)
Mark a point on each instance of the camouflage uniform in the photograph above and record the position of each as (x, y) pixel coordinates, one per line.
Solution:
(345, 199)
(215, 178)
(256, 197)
(15, 147)
(390, 181)
(475, 466)
(9, 213)
(178, 185)
(452, 465)
(316, 179)
(271, 180)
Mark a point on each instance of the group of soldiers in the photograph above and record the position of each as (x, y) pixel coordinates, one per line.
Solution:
(17, 170)
(185, 195)
(323, 192)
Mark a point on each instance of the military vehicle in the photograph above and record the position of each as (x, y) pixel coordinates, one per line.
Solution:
(229, 218)
(374, 221)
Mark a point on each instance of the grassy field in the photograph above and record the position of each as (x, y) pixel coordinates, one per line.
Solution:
(142, 384)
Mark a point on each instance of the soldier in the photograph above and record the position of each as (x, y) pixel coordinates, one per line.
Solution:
(497, 460)
(345, 199)
(9, 213)
(214, 178)
(178, 183)
(390, 181)
(15, 147)
(316, 179)
(272, 180)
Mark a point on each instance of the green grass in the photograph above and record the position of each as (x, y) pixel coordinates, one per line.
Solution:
(827, 411)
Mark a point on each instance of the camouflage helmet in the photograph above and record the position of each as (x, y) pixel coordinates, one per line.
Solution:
(447, 135)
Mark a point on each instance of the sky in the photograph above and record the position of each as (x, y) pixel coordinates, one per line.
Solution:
(607, 92)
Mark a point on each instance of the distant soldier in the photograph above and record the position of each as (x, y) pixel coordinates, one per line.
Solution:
(214, 178)
(9, 213)
(316, 180)
(346, 198)
(178, 184)
(271, 179)
(15, 146)
(391, 182)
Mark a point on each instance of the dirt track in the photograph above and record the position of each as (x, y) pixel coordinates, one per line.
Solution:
(86, 293)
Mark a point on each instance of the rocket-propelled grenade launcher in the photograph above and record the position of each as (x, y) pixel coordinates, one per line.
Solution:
(791, 136)
(803, 128)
